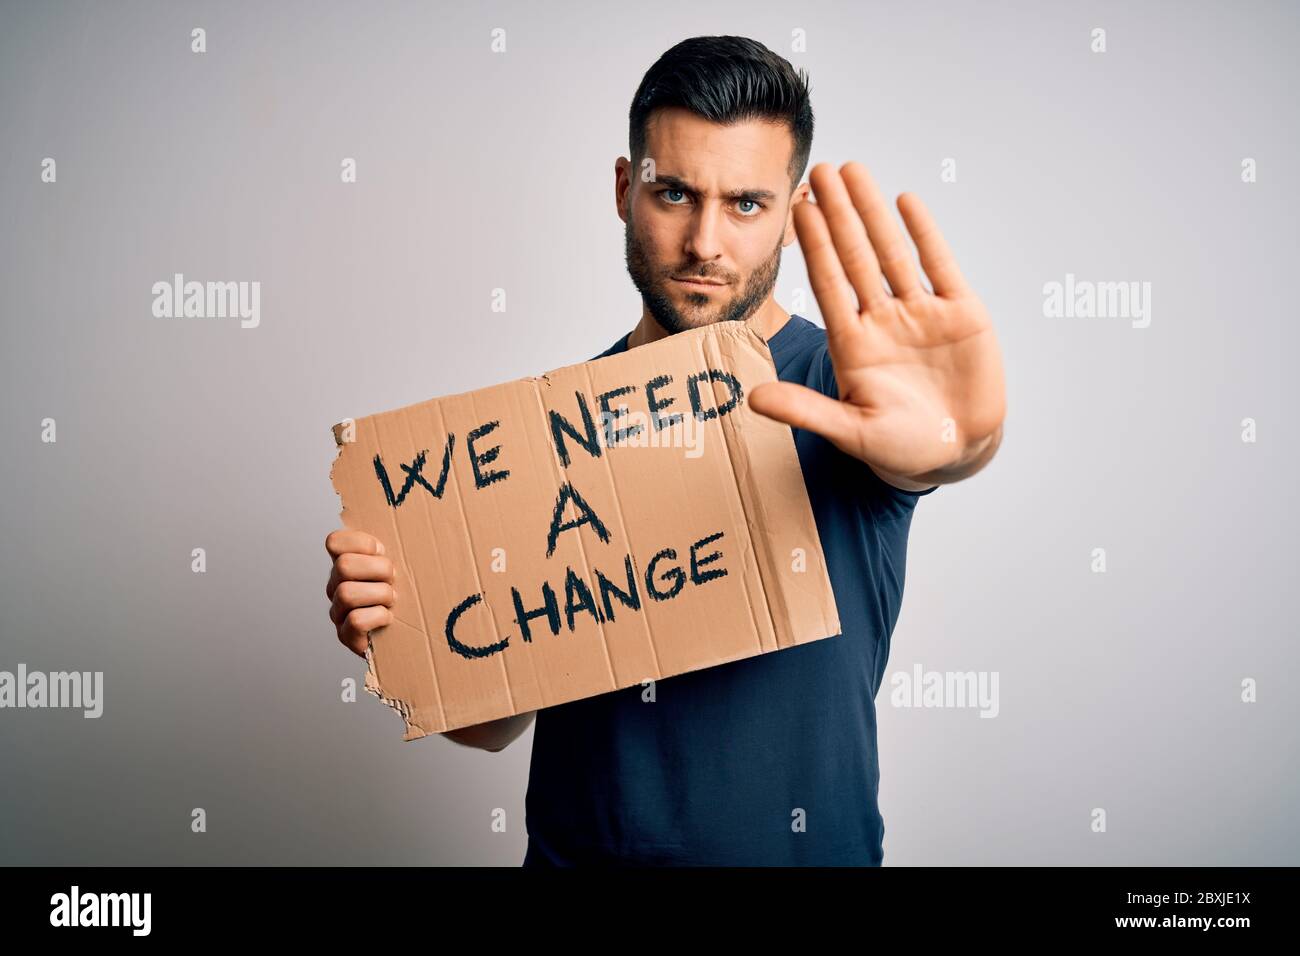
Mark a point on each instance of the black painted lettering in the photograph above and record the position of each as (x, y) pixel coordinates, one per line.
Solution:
(675, 573)
(656, 406)
(574, 585)
(698, 577)
(549, 607)
(414, 476)
(589, 439)
(610, 416)
(630, 598)
(713, 375)
(465, 650)
(585, 516)
(482, 480)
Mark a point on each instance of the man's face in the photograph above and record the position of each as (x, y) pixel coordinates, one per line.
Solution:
(717, 211)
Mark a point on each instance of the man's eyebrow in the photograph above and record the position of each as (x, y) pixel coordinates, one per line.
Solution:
(736, 195)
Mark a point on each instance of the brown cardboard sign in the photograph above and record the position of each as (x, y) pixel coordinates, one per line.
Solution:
(603, 525)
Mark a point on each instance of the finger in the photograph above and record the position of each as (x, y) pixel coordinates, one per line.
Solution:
(848, 234)
(892, 249)
(344, 540)
(358, 567)
(355, 632)
(806, 408)
(936, 258)
(830, 285)
(357, 594)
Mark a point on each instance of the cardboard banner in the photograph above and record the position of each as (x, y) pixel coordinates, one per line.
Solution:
(609, 523)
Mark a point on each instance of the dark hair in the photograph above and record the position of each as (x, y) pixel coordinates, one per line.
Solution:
(726, 80)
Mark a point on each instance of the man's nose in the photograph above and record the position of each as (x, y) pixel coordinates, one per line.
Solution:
(702, 239)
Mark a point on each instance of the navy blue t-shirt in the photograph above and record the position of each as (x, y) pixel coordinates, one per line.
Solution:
(769, 760)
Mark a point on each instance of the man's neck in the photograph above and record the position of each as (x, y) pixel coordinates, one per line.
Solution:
(767, 321)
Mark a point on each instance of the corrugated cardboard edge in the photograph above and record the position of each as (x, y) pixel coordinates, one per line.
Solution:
(403, 708)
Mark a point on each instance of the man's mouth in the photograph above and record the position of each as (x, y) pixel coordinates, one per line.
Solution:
(694, 283)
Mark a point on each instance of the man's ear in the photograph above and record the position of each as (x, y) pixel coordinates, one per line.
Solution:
(622, 185)
(799, 195)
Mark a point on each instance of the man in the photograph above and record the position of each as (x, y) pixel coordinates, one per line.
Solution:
(771, 759)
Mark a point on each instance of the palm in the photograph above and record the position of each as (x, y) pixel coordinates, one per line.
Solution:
(919, 372)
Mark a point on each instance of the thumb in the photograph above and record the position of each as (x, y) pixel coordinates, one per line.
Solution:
(803, 407)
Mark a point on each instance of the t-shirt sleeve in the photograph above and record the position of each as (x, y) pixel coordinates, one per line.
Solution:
(877, 486)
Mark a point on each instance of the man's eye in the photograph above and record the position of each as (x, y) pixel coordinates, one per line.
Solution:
(666, 192)
(756, 206)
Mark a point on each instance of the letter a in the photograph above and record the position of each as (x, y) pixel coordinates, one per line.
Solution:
(586, 516)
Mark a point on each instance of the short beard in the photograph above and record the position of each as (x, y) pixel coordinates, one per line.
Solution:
(651, 286)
